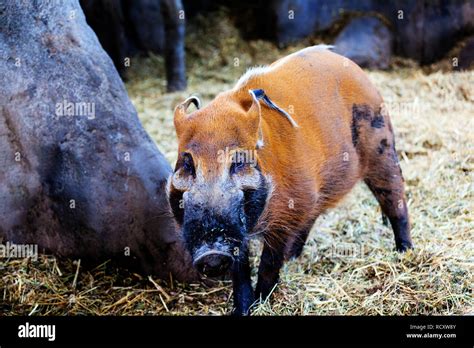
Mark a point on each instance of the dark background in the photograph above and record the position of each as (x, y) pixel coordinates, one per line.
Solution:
(367, 31)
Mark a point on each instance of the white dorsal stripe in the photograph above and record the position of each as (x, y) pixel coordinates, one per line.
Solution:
(260, 70)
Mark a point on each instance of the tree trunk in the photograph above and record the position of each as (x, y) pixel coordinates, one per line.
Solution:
(79, 176)
(128, 27)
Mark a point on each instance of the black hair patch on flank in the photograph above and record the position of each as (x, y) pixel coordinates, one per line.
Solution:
(359, 113)
(382, 146)
(377, 121)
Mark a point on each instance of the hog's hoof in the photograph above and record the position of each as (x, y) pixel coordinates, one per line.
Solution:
(404, 246)
(243, 304)
(242, 311)
(265, 289)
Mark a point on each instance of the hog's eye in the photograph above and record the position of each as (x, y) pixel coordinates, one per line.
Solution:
(239, 162)
(188, 163)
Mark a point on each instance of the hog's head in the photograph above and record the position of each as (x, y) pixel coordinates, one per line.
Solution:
(218, 192)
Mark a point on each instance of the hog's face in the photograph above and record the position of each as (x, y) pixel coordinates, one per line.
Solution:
(217, 192)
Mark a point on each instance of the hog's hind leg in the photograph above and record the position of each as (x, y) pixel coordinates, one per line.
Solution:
(384, 178)
(300, 240)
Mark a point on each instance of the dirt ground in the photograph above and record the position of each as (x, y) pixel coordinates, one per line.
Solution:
(433, 117)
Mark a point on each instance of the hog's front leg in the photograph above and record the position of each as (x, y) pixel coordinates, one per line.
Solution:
(242, 284)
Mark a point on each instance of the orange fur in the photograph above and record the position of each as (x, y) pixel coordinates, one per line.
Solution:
(313, 166)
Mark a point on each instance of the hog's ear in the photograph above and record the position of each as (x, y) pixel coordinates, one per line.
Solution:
(180, 115)
(255, 115)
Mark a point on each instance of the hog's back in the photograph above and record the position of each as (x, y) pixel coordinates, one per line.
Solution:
(318, 162)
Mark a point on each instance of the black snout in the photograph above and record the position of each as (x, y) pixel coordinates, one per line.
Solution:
(213, 263)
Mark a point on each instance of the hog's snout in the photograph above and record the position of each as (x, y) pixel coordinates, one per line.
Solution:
(213, 263)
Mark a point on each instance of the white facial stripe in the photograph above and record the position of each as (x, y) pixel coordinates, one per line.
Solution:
(181, 181)
(248, 181)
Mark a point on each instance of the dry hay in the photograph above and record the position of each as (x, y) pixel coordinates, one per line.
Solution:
(433, 119)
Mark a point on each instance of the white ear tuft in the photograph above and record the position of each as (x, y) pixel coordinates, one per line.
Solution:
(192, 99)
